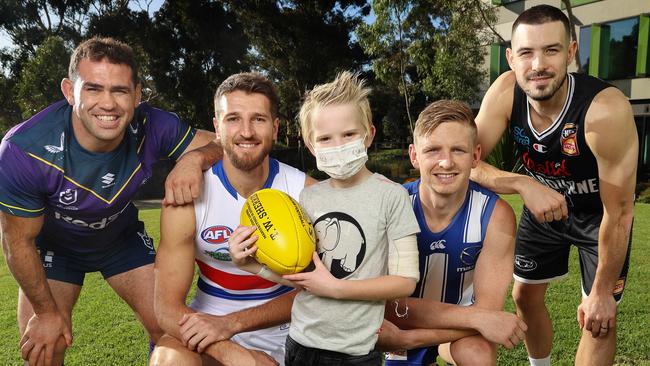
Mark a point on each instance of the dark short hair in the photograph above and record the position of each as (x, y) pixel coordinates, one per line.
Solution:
(440, 112)
(541, 14)
(249, 82)
(100, 48)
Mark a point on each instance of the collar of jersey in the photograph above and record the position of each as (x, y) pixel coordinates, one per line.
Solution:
(422, 219)
(217, 169)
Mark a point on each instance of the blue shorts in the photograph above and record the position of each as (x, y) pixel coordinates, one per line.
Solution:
(136, 250)
(413, 357)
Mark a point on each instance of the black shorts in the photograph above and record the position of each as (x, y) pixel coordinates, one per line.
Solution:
(298, 355)
(62, 264)
(542, 250)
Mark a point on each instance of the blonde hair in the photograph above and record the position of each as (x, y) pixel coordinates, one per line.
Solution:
(346, 88)
(442, 111)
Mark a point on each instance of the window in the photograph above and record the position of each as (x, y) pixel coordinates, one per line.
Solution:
(578, 3)
(498, 61)
(615, 45)
(584, 48)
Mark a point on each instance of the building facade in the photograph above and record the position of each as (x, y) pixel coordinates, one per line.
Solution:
(613, 44)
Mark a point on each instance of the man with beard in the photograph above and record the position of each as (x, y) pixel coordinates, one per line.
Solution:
(578, 144)
(246, 123)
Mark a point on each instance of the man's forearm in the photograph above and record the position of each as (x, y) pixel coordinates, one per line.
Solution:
(208, 154)
(26, 267)
(417, 338)
(269, 314)
(428, 314)
(613, 244)
(497, 180)
(168, 317)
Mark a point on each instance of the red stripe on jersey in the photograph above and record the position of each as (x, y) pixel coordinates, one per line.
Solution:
(231, 281)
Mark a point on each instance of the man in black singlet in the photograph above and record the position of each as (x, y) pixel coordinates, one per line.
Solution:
(578, 143)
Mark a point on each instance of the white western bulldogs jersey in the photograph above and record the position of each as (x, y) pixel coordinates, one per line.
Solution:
(448, 257)
(222, 287)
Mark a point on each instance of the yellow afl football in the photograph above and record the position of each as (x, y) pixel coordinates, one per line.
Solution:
(285, 236)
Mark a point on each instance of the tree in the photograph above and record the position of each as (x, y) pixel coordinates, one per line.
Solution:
(434, 47)
(299, 44)
(39, 84)
(193, 46)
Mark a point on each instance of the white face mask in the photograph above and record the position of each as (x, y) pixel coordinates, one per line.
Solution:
(342, 162)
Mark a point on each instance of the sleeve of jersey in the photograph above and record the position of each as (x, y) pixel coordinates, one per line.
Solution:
(172, 135)
(20, 183)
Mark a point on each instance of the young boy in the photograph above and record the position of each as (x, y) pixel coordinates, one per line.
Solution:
(366, 250)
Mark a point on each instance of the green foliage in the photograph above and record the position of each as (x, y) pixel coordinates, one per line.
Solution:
(193, 46)
(299, 44)
(428, 50)
(9, 110)
(39, 84)
(505, 155)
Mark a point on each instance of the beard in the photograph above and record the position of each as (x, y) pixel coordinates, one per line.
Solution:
(246, 161)
(549, 91)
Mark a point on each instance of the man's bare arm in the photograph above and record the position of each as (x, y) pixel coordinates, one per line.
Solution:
(174, 268)
(48, 323)
(495, 263)
(492, 121)
(184, 182)
(611, 135)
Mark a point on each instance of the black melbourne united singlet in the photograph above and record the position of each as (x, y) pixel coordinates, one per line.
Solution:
(559, 157)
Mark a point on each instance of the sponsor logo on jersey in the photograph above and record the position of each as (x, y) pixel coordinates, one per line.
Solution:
(221, 254)
(97, 225)
(569, 140)
(134, 129)
(438, 244)
(108, 179)
(469, 256)
(540, 148)
(216, 234)
(520, 136)
(68, 197)
(146, 240)
(547, 168)
(53, 149)
(524, 264)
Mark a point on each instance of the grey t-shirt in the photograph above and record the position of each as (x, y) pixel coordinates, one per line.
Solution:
(353, 228)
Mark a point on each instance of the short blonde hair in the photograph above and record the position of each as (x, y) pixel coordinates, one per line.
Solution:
(442, 111)
(346, 88)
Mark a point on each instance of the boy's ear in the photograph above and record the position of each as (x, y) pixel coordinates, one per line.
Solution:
(371, 135)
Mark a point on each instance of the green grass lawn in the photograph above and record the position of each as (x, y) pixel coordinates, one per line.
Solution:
(107, 333)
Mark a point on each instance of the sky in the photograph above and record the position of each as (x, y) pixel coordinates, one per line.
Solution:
(5, 41)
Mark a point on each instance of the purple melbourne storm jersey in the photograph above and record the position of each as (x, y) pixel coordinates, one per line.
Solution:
(85, 197)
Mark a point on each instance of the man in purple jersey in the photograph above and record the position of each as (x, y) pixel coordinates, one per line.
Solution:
(67, 177)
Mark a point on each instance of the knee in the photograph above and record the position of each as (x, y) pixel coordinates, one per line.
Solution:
(526, 297)
(166, 356)
(474, 351)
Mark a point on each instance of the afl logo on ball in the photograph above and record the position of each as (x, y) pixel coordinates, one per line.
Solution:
(216, 234)
(525, 264)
